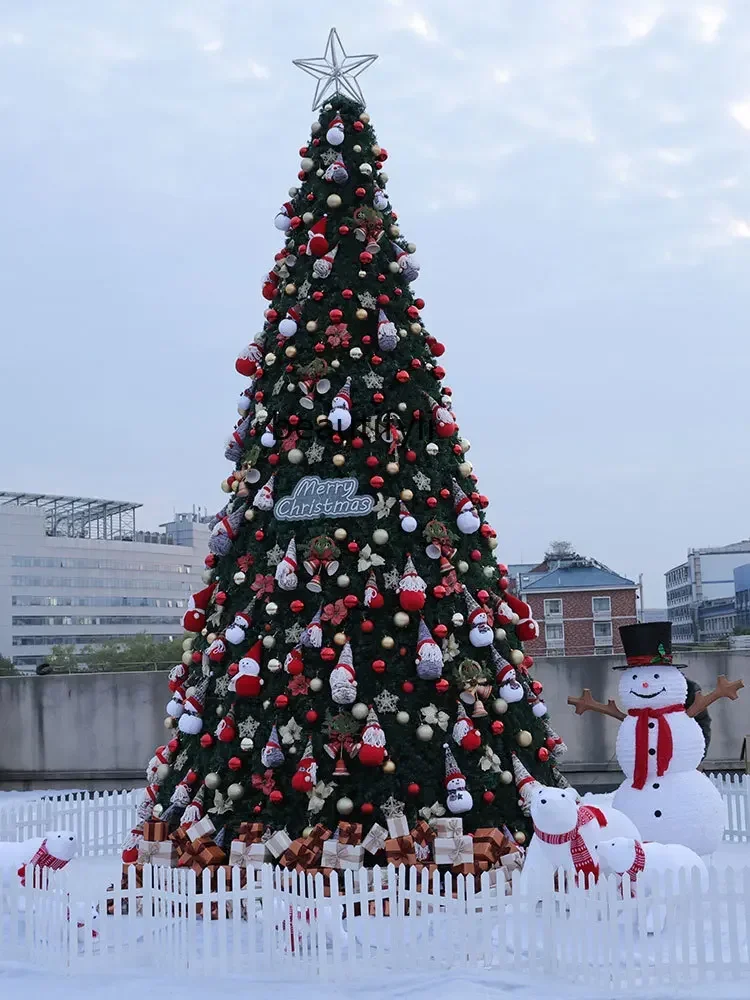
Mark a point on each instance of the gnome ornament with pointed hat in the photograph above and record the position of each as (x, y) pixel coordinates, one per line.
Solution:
(445, 427)
(272, 755)
(343, 679)
(411, 588)
(162, 756)
(335, 133)
(465, 733)
(480, 633)
(194, 618)
(294, 664)
(224, 533)
(317, 244)
(247, 682)
(467, 519)
(405, 263)
(373, 597)
(306, 775)
(458, 800)
(387, 333)
(236, 441)
(372, 750)
(286, 571)
(196, 809)
(526, 785)
(324, 265)
(341, 408)
(312, 637)
(429, 655)
(191, 720)
(264, 497)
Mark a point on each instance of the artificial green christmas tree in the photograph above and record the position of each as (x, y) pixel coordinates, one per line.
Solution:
(355, 653)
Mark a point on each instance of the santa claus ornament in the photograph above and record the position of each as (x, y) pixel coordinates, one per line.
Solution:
(465, 732)
(429, 655)
(249, 360)
(373, 597)
(408, 523)
(467, 519)
(343, 679)
(286, 571)
(294, 663)
(372, 749)
(317, 244)
(247, 682)
(458, 798)
(306, 775)
(445, 427)
(526, 628)
(194, 618)
(340, 416)
(411, 588)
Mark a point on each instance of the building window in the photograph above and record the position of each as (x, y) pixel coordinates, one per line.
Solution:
(603, 634)
(603, 650)
(553, 607)
(554, 635)
(601, 607)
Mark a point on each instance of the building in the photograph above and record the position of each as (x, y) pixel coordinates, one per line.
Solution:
(742, 596)
(578, 603)
(74, 571)
(701, 593)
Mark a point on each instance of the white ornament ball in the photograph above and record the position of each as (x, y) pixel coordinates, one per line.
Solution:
(380, 536)
(340, 534)
(270, 359)
(465, 468)
(492, 542)
(360, 710)
(402, 407)
(295, 456)
(157, 810)
(463, 566)
(311, 326)
(219, 710)
(316, 684)
(458, 619)
(344, 806)
(272, 608)
(489, 571)
(366, 169)
(212, 781)
(500, 633)
(306, 164)
(249, 514)
(335, 363)
(465, 444)
(342, 581)
(239, 577)
(355, 353)
(162, 771)
(319, 172)
(268, 642)
(338, 460)
(357, 148)
(307, 218)
(425, 732)
(506, 777)
(431, 449)
(187, 643)
(274, 665)
(187, 659)
(401, 619)
(314, 128)
(516, 657)
(393, 267)
(499, 706)
(246, 744)
(235, 791)
(333, 200)
(402, 718)
(411, 247)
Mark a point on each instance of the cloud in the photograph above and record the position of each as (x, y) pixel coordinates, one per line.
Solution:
(710, 20)
(740, 111)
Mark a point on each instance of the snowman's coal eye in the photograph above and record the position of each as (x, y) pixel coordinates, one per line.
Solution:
(656, 677)
(635, 677)
(562, 796)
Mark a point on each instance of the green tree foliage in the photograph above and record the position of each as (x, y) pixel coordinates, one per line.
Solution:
(141, 652)
(6, 667)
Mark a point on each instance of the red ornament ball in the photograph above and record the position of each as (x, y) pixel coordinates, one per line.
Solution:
(256, 809)
(232, 669)
(365, 257)
(327, 654)
(416, 363)
(407, 687)
(419, 303)
(549, 743)
(196, 656)
(378, 397)
(412, 312)
(357, 442)
(440, 631)
(476, 555)
(293, 420)
(445, 493)
(295, 222)
(210, 561)
(276, 796)
(297, 606)
(488, 796)
(344, 230)
(319, 348)
(438, 372)
(273, 459)
(220, 597)
(411, 456)
(502, 568)
(383, 299)
(366, 339)
(311, 716)
(207, 740)
(498, 728)
(439, 591)
(358, 126)
(378, 666)
(528, 661)
(336, 315)
(259, 535)
(402, 376)
(281, 701)
(317, 295)
(442, 686)
(431, 501)
(353, 547)
(360, 192)
(174, 745)
(457, 449)
(347, 293)
(413, 789)
(543, 754)
(482, 596)
(372, 461)
(234, 763)
(351, 601)
(536, 686)
(381, 279)
(367, 626)
(336, 438)
(271, 315)
(367, 808)
(376, 359)
(377, 482)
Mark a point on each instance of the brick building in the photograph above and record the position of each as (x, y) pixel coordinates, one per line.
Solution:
(579, 605)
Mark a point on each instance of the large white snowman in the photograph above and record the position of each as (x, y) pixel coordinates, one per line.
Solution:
(660, 745)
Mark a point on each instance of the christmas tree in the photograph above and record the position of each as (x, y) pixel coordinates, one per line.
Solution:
(355, 653)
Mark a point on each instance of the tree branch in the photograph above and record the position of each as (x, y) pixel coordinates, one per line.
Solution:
(723, 689)
(586, 703)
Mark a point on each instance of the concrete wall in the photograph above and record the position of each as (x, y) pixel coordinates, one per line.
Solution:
(102, 728)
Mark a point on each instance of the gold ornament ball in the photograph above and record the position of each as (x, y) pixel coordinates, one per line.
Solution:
(311, 326)
(344, 806)
(402, 718)
(523, 738)
(307, 831)
(361, 314)
(157, 810)
(212, 781)
(407, 495)
(360, 711)
(268, 642)
(506, 777)
(246, 744)
(162, 771)
(380, 536)
(375, 150)
(431, 448)
(274, 665)
(392, 468)
(333, 200)
(239, 578)
(187, 659)
(499, 706)
(338, 460)
(342, 581)
(389, 767)
(416, 327)
(340, 534)
(316, 684)
(290, 289)
(516, 657)
(519, 836)
(387, 642)
(492, 542)
(401, 619)
(225, 486)
(394, 230)
(295, 456)
(355, 353)
(249, 514)
(340, 638)
(235, 791)
(290, 351)
(425, 732)
(187, 643)
(169, 722)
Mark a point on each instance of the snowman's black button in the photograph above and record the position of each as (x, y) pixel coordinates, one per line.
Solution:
(652, 751)
(651, 725)
(657, 813)
(655, 784)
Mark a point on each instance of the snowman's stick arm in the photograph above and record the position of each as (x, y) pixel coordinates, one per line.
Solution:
(586, 703)
(723, 689)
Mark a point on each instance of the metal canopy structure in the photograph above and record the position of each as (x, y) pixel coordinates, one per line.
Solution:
(79, 517)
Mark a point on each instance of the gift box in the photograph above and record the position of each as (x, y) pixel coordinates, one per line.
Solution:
(229, 876)
(397, 826)
(278, 843)
(138, 869)
(458, 852)
(197, 854)
(488, 847)
(449, 826)
(245, 855)
(250, 833)
(295, 854)
(375, 839)
(400, 851)
(201, 828)
(162, 852)
(155, 829)
(350, 833)
(423, 833)
(314, 845)
(341, 856)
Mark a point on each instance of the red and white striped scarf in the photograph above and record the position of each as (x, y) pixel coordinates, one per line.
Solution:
(42, 859)
(582, 859)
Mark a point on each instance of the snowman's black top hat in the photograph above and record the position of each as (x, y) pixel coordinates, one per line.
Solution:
(647, 644)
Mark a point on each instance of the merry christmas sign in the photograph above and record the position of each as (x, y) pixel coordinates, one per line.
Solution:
(314, 497)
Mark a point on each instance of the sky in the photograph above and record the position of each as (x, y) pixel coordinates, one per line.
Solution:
(574, 174)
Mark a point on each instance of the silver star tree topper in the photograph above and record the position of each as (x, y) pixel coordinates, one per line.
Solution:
(336, 72)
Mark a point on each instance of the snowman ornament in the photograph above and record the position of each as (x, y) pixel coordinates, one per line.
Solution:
(458, 798)
(660, 745)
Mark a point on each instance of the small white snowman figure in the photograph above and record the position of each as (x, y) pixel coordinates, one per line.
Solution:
(458, 799)
(480, 633)
(509, 689)
(341, 408)
(236, 632)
